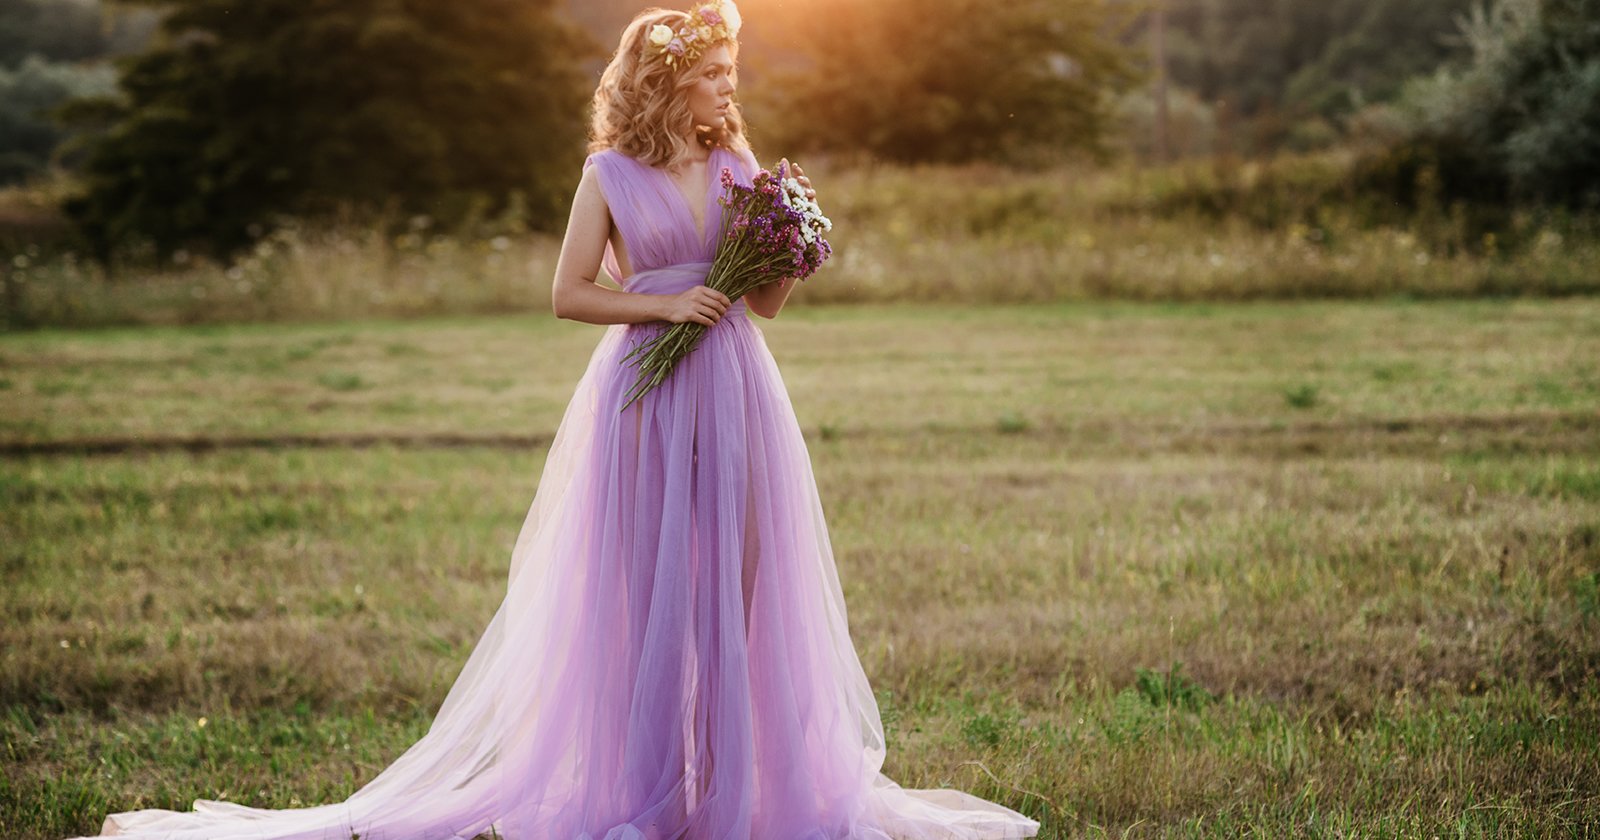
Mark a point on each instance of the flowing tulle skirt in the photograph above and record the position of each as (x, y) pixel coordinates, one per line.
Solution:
(672, 658)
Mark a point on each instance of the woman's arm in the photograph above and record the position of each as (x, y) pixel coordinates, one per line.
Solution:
(767, 299)
(575, 295)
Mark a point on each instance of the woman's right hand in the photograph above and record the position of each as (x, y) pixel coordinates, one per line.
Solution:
(700, 304)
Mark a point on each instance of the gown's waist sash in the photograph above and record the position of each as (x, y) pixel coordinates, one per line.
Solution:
(672, 279)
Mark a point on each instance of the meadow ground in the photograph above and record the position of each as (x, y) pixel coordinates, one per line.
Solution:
(1193, 570)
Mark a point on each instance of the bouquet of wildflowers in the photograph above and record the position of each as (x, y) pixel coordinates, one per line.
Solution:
(773, 232)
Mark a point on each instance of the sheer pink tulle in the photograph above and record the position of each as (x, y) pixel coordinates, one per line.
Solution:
(672, 658)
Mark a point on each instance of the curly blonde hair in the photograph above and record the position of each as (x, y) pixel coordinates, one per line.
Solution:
(640, 109)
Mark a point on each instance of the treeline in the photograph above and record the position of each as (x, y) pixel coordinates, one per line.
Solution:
(238, 115)
(229, 116)
(1492, 145)
(1256, 76)
(1517, 124)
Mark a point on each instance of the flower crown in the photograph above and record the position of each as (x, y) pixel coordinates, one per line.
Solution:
(708, 24)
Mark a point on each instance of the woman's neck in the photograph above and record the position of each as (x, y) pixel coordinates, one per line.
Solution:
(698, 152)
(697, 155)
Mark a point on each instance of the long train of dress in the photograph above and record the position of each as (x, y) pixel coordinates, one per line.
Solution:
(672, 657)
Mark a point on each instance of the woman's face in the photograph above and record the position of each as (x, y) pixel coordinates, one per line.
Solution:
(712, 92)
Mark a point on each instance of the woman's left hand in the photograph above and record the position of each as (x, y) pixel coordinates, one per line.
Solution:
(799, 175)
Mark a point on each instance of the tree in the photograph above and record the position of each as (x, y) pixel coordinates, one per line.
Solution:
(947, 80)
(1521, 120)
(246, 111)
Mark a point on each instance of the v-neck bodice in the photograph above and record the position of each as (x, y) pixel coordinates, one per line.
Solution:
(706, 180)
(653, 215)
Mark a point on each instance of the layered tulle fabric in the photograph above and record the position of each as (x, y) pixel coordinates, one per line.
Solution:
(672, 657)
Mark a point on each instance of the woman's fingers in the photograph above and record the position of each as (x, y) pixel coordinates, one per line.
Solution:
(709, 306)
(800, 175)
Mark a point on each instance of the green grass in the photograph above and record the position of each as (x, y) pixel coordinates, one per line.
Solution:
(1101, 564)
(1058, 368)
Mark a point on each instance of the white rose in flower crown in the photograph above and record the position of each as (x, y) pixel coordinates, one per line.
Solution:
(660, 34)
(730, 15)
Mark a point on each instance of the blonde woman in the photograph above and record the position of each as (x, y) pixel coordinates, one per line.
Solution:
(672, 658)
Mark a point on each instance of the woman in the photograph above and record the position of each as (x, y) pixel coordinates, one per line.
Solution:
(672, 658)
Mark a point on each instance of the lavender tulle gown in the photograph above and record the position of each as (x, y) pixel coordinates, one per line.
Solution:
(672, 658)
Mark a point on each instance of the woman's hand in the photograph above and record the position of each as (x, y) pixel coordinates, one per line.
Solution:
(700, 304)
(799, 174)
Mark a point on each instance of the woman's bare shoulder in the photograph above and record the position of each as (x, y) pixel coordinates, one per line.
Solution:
(598, 167)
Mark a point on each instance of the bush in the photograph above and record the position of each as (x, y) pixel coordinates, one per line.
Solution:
(1520, 123)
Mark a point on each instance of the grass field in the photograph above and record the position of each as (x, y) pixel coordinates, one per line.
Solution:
(1275, 569)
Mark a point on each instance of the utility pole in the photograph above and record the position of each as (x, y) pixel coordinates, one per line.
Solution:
(1158, 58)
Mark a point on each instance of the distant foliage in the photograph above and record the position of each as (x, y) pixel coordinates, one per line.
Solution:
(1283, 73)
(52, 51)
(946, 80)
(1520, 122)
(54, 30)
(1191, 123)
(28, 137)
(244, 113)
